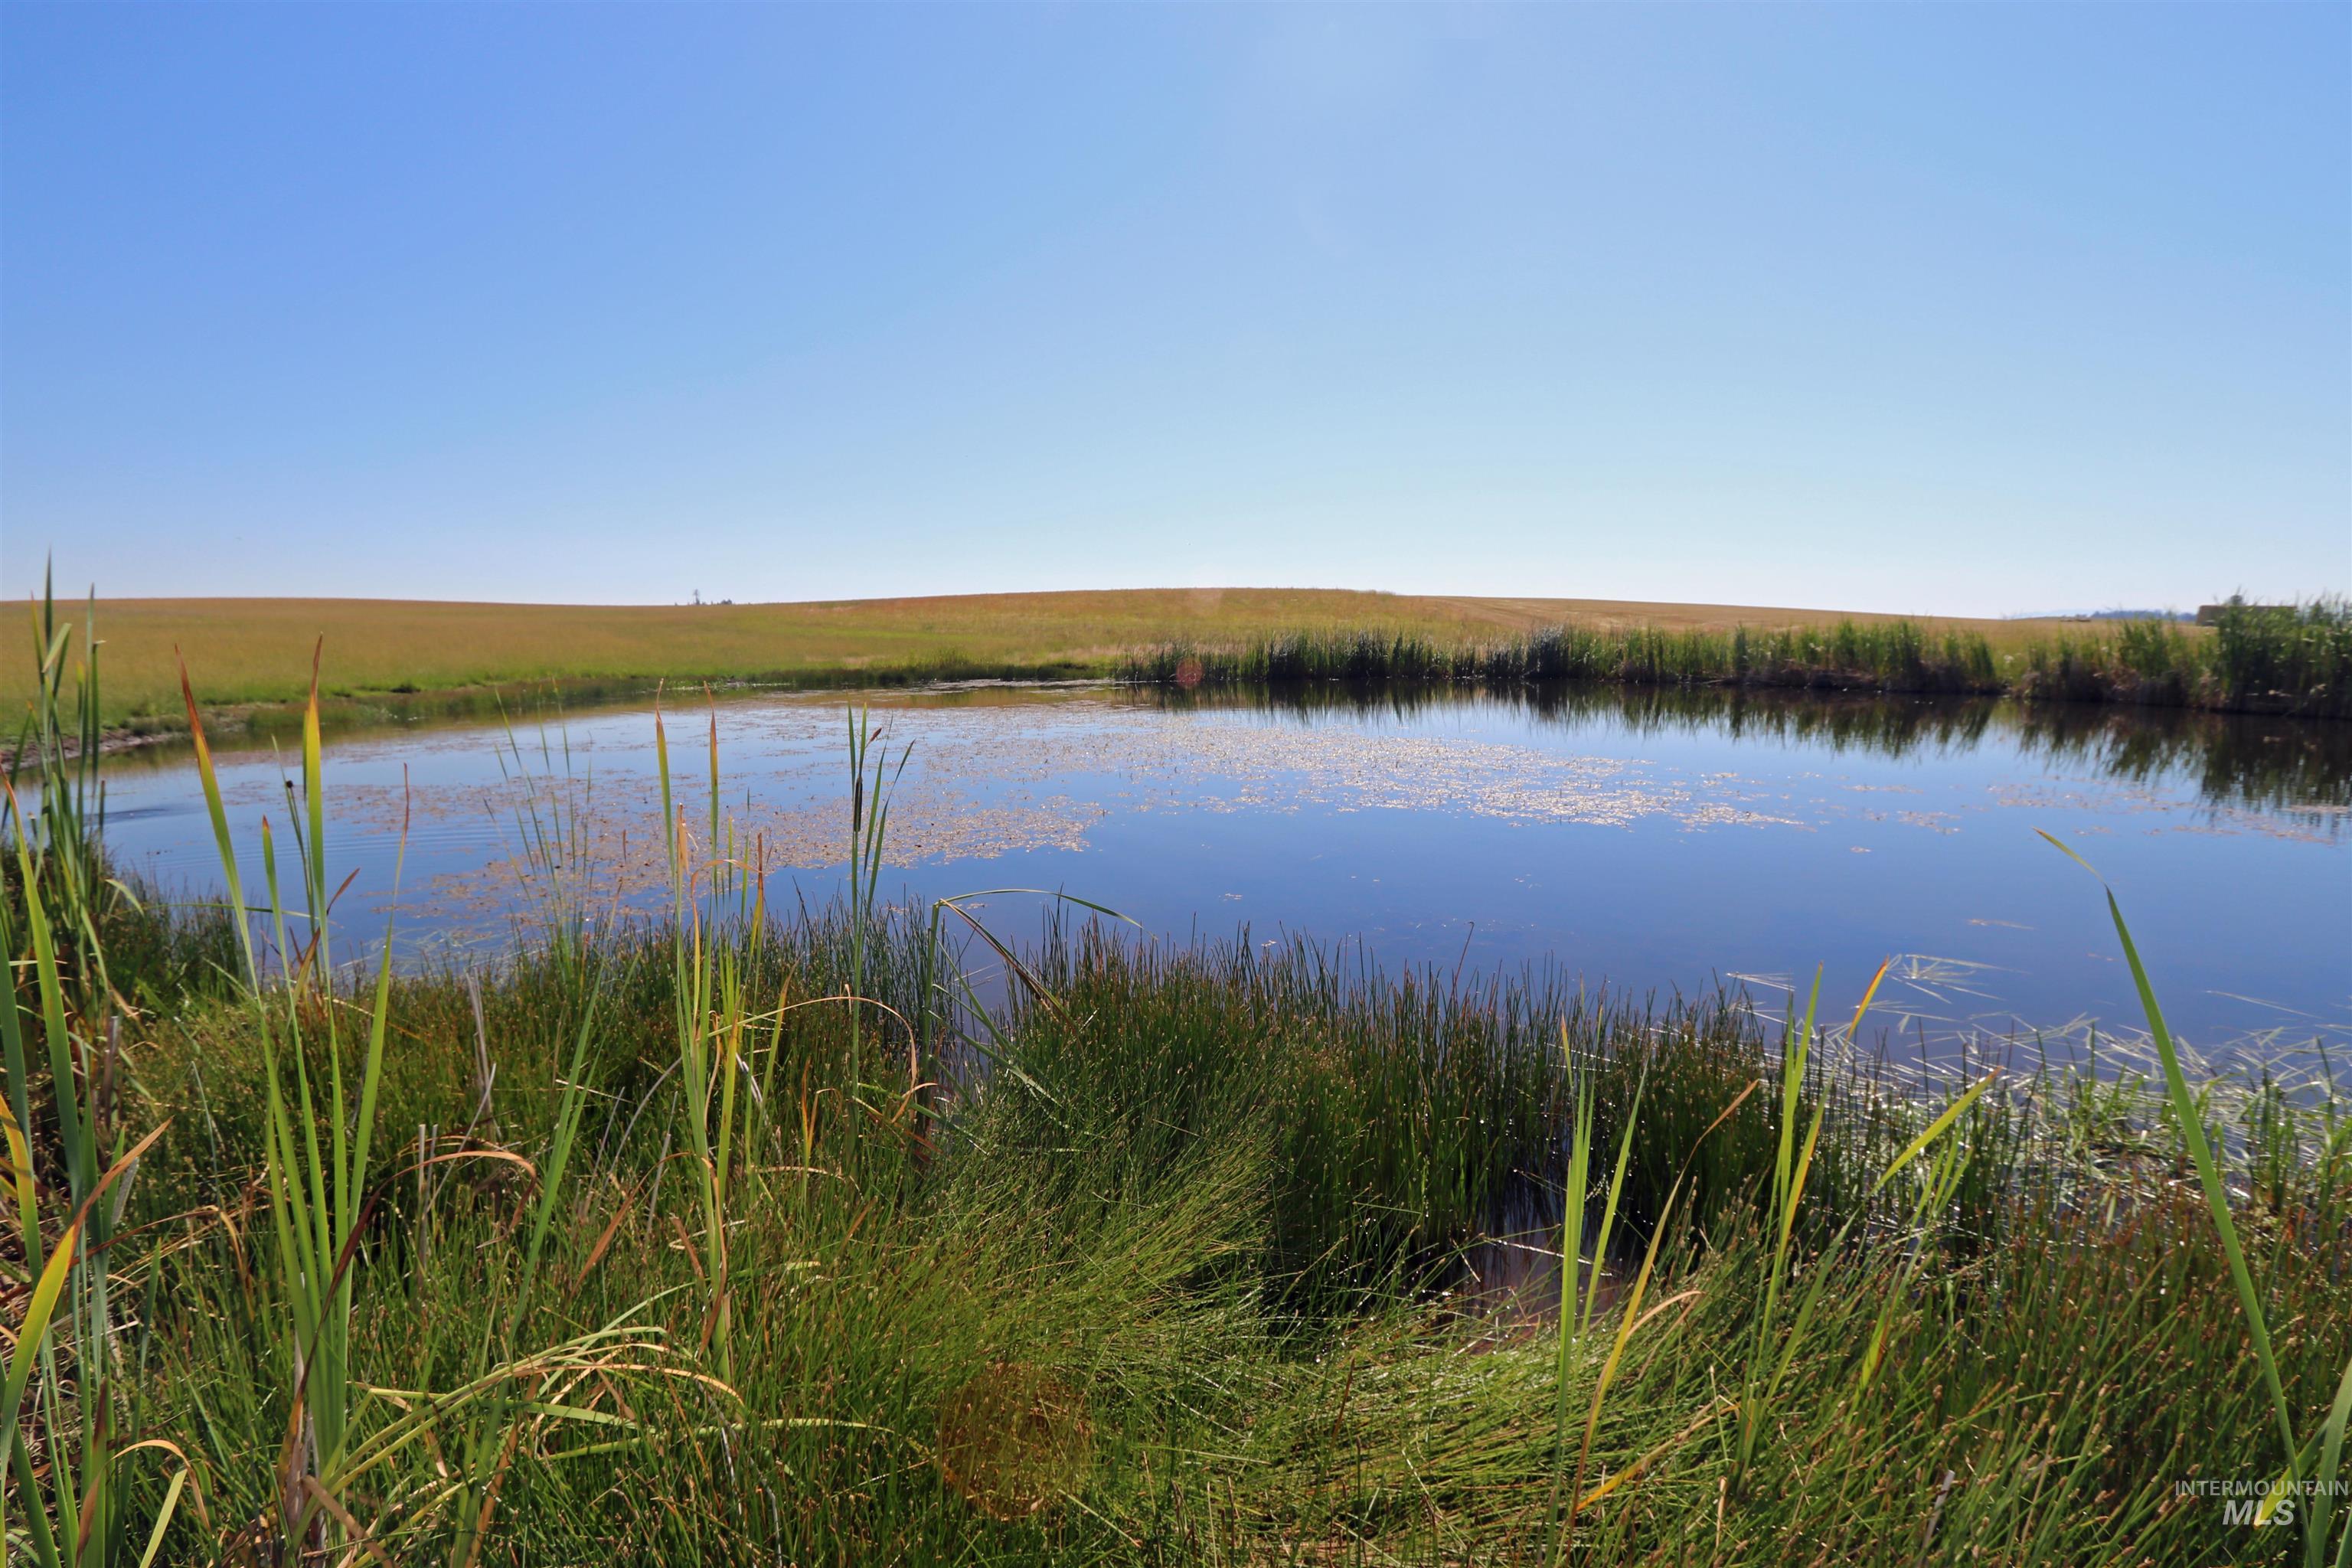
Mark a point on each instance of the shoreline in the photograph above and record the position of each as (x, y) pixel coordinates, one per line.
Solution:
(393, 710)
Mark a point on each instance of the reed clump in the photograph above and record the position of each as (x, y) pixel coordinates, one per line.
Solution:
(732, 1239)
(2255, 658)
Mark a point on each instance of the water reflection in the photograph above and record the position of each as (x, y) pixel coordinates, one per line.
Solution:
(1638, 838)
(2300, 769)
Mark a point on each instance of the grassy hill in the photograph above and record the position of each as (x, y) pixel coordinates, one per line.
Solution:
(259, 650)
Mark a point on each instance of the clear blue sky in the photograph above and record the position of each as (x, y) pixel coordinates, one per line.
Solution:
(1973, 308)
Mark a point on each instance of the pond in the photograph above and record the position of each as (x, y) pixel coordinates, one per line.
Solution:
(1646, 841)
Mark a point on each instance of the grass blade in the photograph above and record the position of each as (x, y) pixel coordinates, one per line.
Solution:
(2208, 1174)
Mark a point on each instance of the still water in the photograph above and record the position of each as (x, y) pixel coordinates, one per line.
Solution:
(1647, 842)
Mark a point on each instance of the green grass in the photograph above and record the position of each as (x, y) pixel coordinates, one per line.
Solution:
(733, 1239)
(1214, 1218)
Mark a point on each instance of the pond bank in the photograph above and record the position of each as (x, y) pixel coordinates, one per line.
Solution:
(2290, 660)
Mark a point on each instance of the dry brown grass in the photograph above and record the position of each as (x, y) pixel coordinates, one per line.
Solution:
(259, 650)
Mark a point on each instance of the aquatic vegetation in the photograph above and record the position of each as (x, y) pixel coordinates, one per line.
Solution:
(726, 1237)
(2257, 658)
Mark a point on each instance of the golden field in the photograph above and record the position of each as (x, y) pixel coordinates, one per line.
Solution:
(259, 650)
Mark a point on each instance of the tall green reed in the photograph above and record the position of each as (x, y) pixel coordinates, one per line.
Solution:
(67, 1387)
(712, 1018)
(1581, 1280)
(2319, 1459)
(348, 1436)
(318, 1192)
(869, 823)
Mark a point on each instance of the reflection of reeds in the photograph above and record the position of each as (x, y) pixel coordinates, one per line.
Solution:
(2301, 771)
(2273, 764)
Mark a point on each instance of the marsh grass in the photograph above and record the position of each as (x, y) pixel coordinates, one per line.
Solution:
(2256, 660)
(725, 1238)
(1217, 1214)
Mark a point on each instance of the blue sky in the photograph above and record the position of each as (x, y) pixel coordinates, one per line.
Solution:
(1965, 309)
